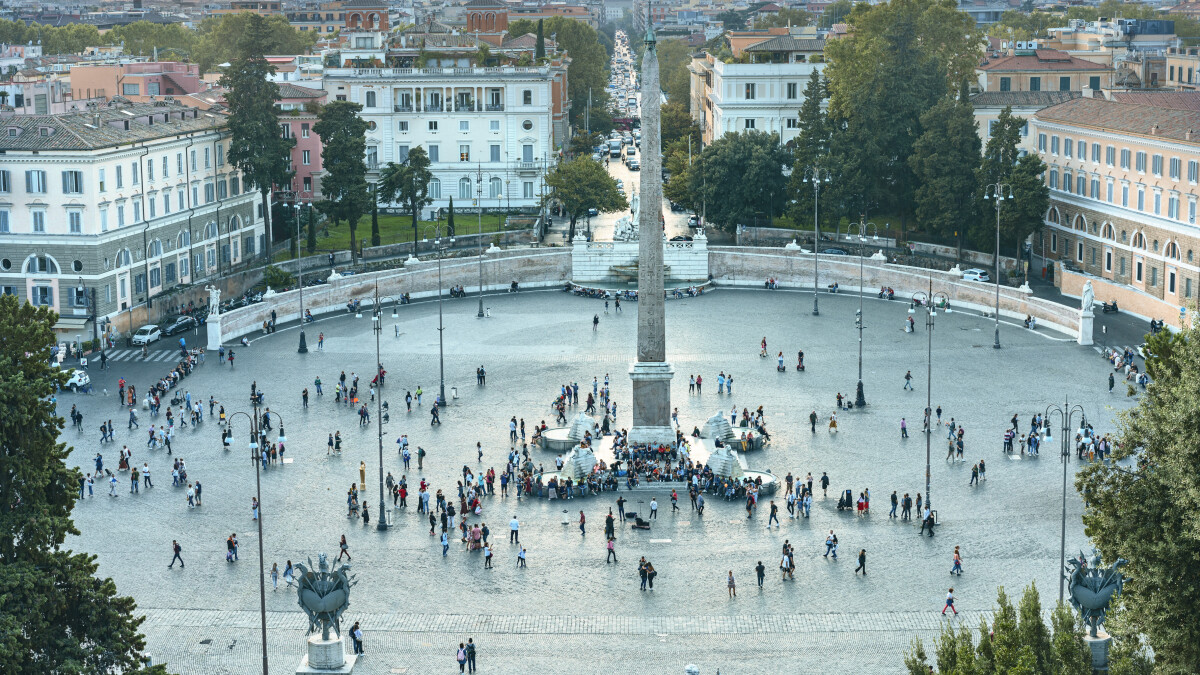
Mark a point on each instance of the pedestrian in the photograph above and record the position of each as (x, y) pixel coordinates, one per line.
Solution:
(612, 550)
(582, 520)
(521, 557)
(445, 542)
(949, 603)
(761, 571)
(862, 562)
(461, 657)
(903, 428)
(621, 508)
(304, 396)
(275, 576)
(824, 484)
(514, 527)
(345, 549)
(357, 636)
(595, 322)
(653, 508)
(895, 503)
(470, 655)
(732, 585)
(177, 549)
(1111, 381)
(957, 568)
(908, 381)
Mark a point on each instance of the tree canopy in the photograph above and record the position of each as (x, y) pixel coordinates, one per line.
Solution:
(215, 41)
(344, 182)
(945, 160)
(56, 617)
(739, 176)
(786, 16)
(407, 183)
(1144, 504)
(581, 184)
(589, 59)
(674, 57)
(69, 39)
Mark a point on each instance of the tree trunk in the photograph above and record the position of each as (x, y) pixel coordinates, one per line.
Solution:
(311, 243)
(416, 237)
(375, 240)
(353, 248)
(571, 230)
(267, 221)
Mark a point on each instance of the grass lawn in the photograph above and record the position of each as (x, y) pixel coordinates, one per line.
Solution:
(397, 229)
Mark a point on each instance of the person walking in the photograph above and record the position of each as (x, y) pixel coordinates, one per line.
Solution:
(1111, 381)
(487, 556)
(582, 522)
(345, 549)
(461, 657)
(949, 603)
(275, 576)
(357, 636)
(612, 551)
(514, 527)
(903, 428)
(957, 568)
(595, 322)
(732, 585)
(908, 380)
(445, 543)
(177, 549)
(470, 655)
(862, 562)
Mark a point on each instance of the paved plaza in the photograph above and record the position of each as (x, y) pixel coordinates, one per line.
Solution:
(569, 611)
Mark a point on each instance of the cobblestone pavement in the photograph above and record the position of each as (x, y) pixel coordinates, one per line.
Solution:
(569, 611)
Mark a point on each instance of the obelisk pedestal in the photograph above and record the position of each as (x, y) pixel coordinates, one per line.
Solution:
(651, 373)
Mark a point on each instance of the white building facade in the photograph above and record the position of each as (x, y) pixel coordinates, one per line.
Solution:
(115, 208)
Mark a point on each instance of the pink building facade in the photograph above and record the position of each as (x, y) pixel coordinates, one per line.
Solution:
(297, 115)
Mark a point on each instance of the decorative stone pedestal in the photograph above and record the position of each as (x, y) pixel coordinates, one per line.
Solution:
(326, 656)
(652, 403)
(213, 324)
(1099, 646)
(1086, 319)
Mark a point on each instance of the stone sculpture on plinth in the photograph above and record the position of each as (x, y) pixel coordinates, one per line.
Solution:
(651, 373)
(213, 322)
(324, 595)
(1086, 317)
(1092, 589)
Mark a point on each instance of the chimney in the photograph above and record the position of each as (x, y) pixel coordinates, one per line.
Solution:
(1154, 130)
(1088, 92)
(1187, 135)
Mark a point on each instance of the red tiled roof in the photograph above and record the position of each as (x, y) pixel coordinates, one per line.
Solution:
(1132, 118)
(1043, 59)
(1177, 100)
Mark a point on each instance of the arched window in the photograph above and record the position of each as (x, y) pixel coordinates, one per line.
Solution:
(234, 223)
(495, 188)
(155, 249)
(464, 188)
(435, 188)
(210, 230)
(1172, 251)
(370, 99)
(1139, 241)
(1079, 223)
(40, 264)
(1107, 232)
(1052, 215)
(185, 238)
(124, 259)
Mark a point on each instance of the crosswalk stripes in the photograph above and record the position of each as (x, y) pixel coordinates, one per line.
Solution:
(134, 355)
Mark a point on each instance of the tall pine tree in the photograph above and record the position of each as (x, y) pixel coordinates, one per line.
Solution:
(945, 161)
(256, 145)
(810, 148)
(1002, 162)
(56, 616)
(344, 135)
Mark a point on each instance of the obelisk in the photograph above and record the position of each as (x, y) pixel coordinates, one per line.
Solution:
(651, 373)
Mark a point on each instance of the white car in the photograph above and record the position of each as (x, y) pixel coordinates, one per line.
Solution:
(77, 379)
(146, 334)
(976, 274)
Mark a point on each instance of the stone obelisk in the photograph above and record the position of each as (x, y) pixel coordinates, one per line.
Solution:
(651, 373)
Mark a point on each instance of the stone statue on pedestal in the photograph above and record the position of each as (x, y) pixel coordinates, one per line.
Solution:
(214, 300)
(1088, 298)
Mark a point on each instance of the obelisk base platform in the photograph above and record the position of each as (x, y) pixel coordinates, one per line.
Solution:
(652, 403)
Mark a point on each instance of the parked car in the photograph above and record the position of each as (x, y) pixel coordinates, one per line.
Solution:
(178, 324)
(681, 237)
(976, 274)
(77, 379)
(147, 334)
(834, 251)
(593, 212)
(693, 221)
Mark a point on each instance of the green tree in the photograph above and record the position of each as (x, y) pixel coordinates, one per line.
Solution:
(143, 37)
(1014, 25)
(540, 53)
(408, 184)
(740, 175)
(836, 12)
(809, 148)
(784, 17)
(676, 124)
(732, 20)
(674, 57)
(256, 145)
(1147, 510)
(218, 38)
(344, 185)
(375, 239)
(56, 617)
(581, 184)
(679, 165)
(450, 218)
(945, 160)
(1022, 215)
(589, 60)
(1014, 644)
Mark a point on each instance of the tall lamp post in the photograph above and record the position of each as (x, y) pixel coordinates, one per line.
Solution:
(256, 457)
(861, 227)
(999, 192)
(377, 328)
(303, 349)
(479, 205)
(929, 301)
(816, 175)
(441, 248)
(1065, 413)
(89, 301)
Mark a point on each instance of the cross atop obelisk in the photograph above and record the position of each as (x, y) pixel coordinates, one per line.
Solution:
(651, 373)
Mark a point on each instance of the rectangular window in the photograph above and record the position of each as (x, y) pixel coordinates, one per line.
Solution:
(793, 123)
(401, 153)
(234, 186)
(166, 197)
(222, 189)
(1095, 153)
(1157, 203)
(1153, 276)
(38, 221)
(181, 198)
(1171, 283)
(1125, 195)
(193, 160)
(1094, 82)
(1108, 261)
(1095, 188)
(527, 152)
(99, 180)
(308, 183)
(1092, 254)
(1176, 166)
(179, 163)
(4, 227)
(131, 89)
(1053, 242)
(248, 246)
(1064, 83)
(1006, 84)
(1173, 207)
(1124, 158)
(433, 154)
(304, 129)
(155, 277)
(104, 219)
(750, 91)
(1054, 145)
(1109, 196)
(527, 97)
(750, 123)
(1193, 170)
(169, 272)
(183, 266)
(1079, 251)
(220, 155)
(527, 189)
(464, 125)
(304, 157)
(1141, 162)
(210, 194)
(1083, 148)
(207, 158)
(433, 126)
(35, 182)
(137, 211)
(1110, 155)
(1156, 165)
(133, 173)
(1081, 185)
(43, 296)
(1141, 200)
(1187, 284)
(1121, 266)
(792, 90)
(153, 206)
(494, 154)
(1041, 142)
(494, 125)
(72, 182)
(1035, 84)
(166, 167)
(1192, 212)
(1068, 145)
(404, 126)
(195, 195)
(139, 283)
(150, 169)
(464, 153)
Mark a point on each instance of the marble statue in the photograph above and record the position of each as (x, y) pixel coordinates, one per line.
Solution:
(214, 300)
(1088, 299)
(1092, 588)
(324, 594)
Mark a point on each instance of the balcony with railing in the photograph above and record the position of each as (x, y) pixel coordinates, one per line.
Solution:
(494, 107)
(403, 108)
